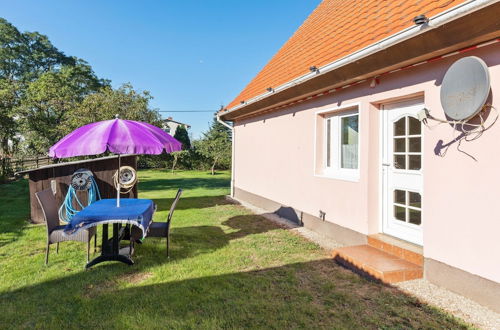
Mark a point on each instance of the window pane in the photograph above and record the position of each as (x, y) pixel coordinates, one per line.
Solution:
(415, 144)
(400, 197)
(415, 199)
(399, 162)
(328, 141)
(415, 126)
(400, 127)
(400, 145)
(414, 162)
(349, 142)
(415, 217)
(400, 213)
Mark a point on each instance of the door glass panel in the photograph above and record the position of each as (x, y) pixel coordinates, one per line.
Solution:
(415, 199)
(414, 144)
(404, 144)
(414, 162)
(400, 127)
(415, 216)
(400, 145)
(349, 142)
(408, 206)
(400, 197)
(399, 213)
(415, 126)
(400, 162)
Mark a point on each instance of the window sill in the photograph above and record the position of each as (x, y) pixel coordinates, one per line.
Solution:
(337, 176)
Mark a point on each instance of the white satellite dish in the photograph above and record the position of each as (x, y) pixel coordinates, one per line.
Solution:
(465, 88)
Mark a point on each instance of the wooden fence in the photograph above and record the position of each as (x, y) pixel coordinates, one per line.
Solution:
(10, 166)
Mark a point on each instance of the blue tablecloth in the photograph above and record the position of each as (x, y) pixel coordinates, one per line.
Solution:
(137, 212)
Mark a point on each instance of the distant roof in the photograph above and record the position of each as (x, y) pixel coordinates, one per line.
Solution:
(335, 29)
(170, 120)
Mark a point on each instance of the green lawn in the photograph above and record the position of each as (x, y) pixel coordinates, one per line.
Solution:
(229, 269)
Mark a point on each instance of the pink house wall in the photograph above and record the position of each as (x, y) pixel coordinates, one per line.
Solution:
(275, 158)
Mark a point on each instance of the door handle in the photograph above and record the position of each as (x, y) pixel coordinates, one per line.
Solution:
(386, 164)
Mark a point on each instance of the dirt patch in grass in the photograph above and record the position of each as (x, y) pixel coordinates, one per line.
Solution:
(97, 289)
(135, 277)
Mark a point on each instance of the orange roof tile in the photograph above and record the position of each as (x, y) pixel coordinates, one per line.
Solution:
(335, 29)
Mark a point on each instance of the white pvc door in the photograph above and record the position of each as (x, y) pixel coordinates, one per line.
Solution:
(402, 170)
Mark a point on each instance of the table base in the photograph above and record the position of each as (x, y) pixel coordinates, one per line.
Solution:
(119, 257)
(110, 249)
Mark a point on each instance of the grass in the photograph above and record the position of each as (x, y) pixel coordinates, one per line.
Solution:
(229, 269)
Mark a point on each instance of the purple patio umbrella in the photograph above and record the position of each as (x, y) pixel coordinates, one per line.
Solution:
(118, 136)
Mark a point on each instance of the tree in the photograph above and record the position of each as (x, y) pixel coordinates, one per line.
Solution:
(49, 101)
(108, 102)
(216, 145)
(23, 58)
(181, 135)
(45, 94)
(8, 123)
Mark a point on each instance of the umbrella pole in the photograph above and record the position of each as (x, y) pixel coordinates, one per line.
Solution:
(118, 188)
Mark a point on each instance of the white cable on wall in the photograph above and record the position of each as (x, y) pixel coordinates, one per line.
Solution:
(467, 135)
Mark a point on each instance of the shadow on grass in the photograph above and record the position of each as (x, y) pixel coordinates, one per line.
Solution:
(188, 242)
(316, 294)
(14, 210)
(247, 225)
(191, 241)
(11, 230)
(187, 203)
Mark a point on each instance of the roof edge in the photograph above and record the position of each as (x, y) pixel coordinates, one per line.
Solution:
(436, 21)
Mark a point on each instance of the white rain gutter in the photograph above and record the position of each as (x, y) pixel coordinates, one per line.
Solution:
(232, 151)
(434, 22)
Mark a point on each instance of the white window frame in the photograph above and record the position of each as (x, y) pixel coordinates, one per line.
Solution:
(334, 116)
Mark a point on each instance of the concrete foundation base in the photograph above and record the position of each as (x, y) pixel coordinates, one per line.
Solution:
(341, 234)
(477, 288)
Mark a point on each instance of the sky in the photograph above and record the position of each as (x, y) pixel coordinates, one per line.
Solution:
(191, 55)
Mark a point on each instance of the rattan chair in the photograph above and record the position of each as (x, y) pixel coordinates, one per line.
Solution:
(162, 229)
(48, 203)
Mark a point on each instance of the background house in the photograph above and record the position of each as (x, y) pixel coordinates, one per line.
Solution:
(169, 125)
(330, 129)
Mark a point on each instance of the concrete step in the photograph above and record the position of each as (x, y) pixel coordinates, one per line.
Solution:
(399, 248)
(378, 264)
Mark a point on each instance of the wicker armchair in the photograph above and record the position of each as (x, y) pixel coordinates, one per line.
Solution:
(55, 235)
(162, 229)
